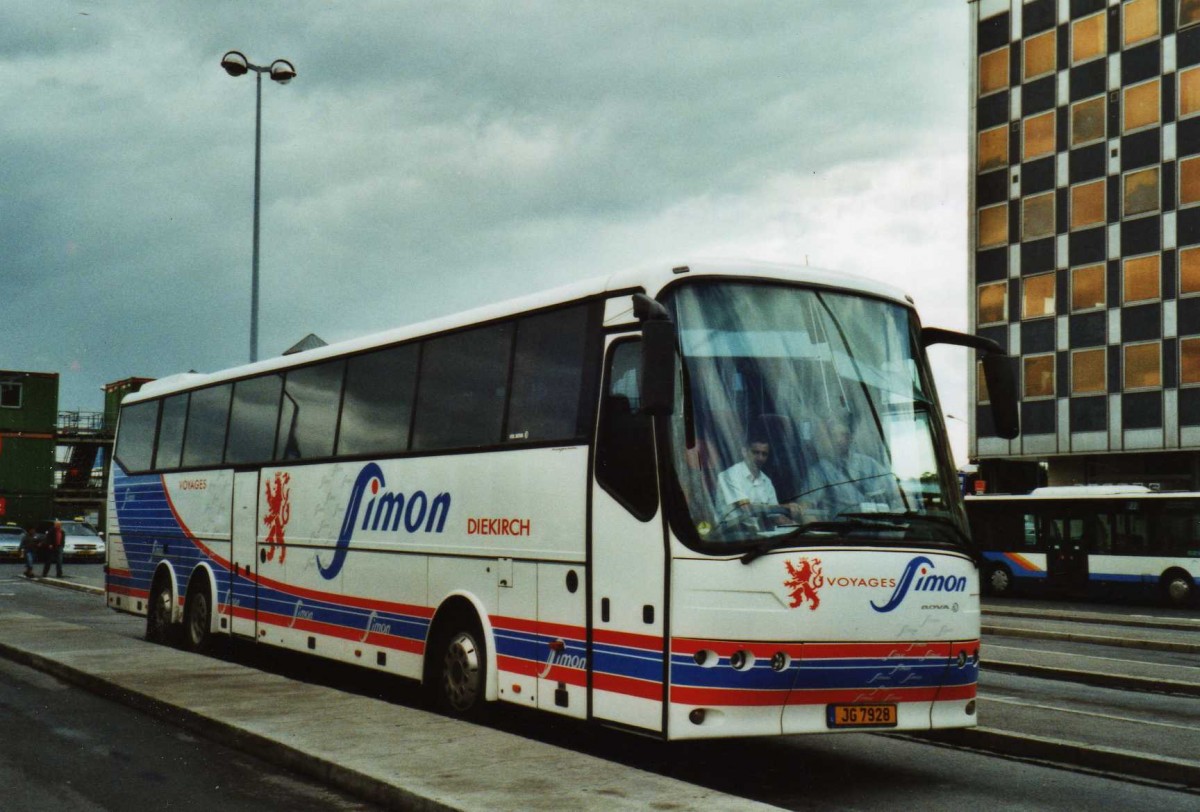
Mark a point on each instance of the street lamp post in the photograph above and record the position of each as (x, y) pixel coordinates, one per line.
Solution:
(281, 71)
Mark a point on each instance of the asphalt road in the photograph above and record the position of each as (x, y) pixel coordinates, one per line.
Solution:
(861, 771)
(63, 748)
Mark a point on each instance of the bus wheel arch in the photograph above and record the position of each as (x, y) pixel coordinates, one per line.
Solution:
(162, 607)
(1177, 587)
(459, 670)
(198, 611)
(998, 579)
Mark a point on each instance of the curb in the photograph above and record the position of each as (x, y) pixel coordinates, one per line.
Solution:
(1120, 681)
(61, 584)
(1099, 639)
(1160, 769)
(270, 750)
(1096, 619)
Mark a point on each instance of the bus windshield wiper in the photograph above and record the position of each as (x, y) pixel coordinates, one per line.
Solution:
(839, 525)
(911, 517)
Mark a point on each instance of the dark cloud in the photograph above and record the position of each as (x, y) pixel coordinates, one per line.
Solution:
(436, 156)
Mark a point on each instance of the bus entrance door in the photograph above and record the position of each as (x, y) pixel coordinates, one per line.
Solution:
(1066, 551)
(628, 555)
(243, 602)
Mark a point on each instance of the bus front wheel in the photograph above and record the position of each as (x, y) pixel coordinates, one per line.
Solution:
(999, 580)
(1177, 588)
(462, 671)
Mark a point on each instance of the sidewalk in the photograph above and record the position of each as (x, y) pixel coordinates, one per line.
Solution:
(389, 754)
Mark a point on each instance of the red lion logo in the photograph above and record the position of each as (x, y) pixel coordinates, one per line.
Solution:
(279, 511)
(805, 581)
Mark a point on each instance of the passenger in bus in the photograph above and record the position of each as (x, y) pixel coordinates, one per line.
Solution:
(844, 480)
(746, 494)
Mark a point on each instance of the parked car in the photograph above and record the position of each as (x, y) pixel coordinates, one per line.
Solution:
(10, 541)
(80, 542)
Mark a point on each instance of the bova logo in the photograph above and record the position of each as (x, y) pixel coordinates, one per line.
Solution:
(923, 581)
(387, 512)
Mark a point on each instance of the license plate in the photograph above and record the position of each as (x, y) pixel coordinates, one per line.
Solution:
(860, 715)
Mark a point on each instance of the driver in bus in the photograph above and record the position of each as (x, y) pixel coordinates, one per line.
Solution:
(844, 480)
(745, 492)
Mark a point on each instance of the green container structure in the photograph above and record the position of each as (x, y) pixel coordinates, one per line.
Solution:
(113, 393)
(28, 415)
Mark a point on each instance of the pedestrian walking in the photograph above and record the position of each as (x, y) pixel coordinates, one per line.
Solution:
(53, 549)
(29, 548)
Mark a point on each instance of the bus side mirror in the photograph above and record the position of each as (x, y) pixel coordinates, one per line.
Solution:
(656, 382)
(999, 370)
(1000, 373)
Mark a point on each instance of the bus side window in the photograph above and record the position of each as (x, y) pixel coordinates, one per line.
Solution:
(308, 412)
(208, 418)
(625, 442)
(135, 448)
(170, 432)
(378, 404)
(252, 420)
(548, 376)
(462, 389)
(1030, 524)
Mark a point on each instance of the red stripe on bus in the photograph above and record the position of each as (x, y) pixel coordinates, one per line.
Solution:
(629, 686)
(342, 632)
(529, 668)
(643, 641)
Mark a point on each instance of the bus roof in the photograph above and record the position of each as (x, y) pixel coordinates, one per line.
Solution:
(650, 279)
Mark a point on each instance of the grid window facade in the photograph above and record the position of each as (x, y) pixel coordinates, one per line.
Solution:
(1189, 91)
(1088, 287)
(1089, 38)
(1037, 296)
(1141, 192)
(1088, 372)
(1139, 21)
(1088, 120)
(1189, 181)
(1141, 279)
(993, 149)
(1189, 13)
(1037, 216)
(993, 226)
(1087, 204)
(993, 71)
(1037, 378)
(1143, 365)
(1141, 106)
(1189, 271)
(1038, 136)
(1085, 196)
(1040, 53)
(993, 303)
(1189, 361)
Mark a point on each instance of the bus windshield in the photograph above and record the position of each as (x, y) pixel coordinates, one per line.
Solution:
(806, 414)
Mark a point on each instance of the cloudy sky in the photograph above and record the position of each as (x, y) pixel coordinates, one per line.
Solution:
(431, 157)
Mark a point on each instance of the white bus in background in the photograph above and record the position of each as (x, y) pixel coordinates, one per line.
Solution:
(1091, 540)
(523, 504)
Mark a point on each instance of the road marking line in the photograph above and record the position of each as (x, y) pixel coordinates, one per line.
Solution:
(989, 646)
(1014, 701)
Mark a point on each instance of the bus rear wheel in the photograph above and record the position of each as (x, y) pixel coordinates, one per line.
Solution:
(1177, 588)
(462, 671)
(159, 628)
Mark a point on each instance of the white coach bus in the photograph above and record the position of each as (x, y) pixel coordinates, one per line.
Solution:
(619, 501)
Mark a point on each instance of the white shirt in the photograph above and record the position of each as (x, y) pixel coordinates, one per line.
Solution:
(852, 485)
(735, 484)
